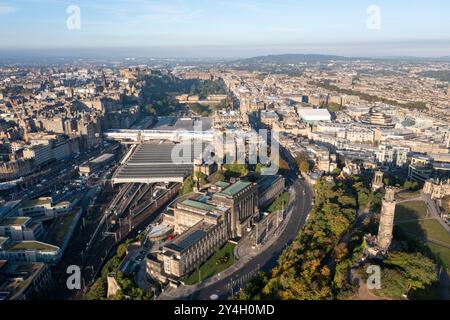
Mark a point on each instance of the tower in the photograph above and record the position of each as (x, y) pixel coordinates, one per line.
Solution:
(386, 220)
(377, 181)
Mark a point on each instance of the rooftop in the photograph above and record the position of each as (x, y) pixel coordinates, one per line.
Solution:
(188, 124)
(190, 237)
(314, 113)
(236, 188)
(102, 158)
(155, 161)
(13, 221)
(3, 240)
(266, 181)
(222, 184)
(36, 202)
(198, 205)
(32, 245)
(15, 278)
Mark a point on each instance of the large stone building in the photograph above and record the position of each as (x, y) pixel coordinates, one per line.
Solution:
(192, 248)
(204, 222)
(19, 281)
(203, 228)
(20, 228)
(437, 189)
(242, 199)
(189, 212)
(269, 188)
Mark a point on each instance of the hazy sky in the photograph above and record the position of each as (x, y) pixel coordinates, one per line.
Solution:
(232, 27)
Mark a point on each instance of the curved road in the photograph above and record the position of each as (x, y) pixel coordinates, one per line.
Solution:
(265, 261)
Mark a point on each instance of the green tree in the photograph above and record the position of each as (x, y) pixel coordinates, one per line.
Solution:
(411, 185)
(303, 163)
(188, 185)
(236, 170)
(121, 251)
(97, 291)
(218, 176)
(415, 267)
(336, 172)
(201, 178)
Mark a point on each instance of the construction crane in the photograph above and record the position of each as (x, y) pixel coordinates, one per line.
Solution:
(22, 122)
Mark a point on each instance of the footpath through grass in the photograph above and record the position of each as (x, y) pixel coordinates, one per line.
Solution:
(220, 261)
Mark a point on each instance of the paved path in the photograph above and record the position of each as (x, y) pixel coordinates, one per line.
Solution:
(432, 208)
(433, 211)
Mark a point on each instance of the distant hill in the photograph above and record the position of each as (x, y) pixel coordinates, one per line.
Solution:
(284, 59)
(293, 59)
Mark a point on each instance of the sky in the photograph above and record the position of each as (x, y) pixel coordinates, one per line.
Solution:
(230, 28)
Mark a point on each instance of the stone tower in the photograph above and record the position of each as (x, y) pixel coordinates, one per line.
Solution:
(378, 181)
(386, 220)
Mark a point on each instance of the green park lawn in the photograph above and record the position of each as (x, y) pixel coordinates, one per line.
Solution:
(278, 204)
(428, 229)
(212, 267)
(411, 210)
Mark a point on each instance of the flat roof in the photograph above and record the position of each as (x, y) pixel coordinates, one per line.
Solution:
(236, 188)
(62, 224)
(266, 181)
(308, 113)
(191, 236)
(102, 158)
(35, 202)
(188, 124)
(8, 206)
(198, 205)
(160, 230)
(3, 240)
(17, 277)
(222, 184)
(32, 245)
(14, 221)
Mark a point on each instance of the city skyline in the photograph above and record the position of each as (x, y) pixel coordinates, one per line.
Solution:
(227, 28)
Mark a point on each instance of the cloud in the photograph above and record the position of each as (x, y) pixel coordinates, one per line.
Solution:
(5, 9)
